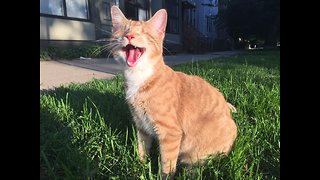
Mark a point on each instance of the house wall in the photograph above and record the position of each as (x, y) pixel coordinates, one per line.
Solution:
(172, 38)
(101, 17)
(65, 29)
(155, 6)
(201, 20)
(171, 41)
(65, 32)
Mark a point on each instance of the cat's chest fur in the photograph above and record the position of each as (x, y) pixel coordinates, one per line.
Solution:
(134, 80)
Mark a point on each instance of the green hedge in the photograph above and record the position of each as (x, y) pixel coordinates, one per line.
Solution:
(52, 52)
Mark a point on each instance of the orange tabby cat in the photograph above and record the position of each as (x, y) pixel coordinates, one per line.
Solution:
(190, 118)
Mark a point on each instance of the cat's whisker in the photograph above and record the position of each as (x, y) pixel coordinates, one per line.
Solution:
(105, 47)
(96, 51)
(103, 30)
(171, 41)
(111, 52)
(111, 45)
(101, 40)
(167, 50)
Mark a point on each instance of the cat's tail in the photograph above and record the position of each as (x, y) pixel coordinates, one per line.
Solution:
(232, 108)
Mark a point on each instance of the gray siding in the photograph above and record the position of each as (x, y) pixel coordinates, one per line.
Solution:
(62, 29)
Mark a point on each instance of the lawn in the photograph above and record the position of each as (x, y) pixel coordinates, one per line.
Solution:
(86, 130)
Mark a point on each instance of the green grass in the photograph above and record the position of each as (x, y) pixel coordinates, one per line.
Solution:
(86, 130)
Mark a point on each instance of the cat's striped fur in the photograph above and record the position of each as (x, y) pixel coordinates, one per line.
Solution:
(188, 116)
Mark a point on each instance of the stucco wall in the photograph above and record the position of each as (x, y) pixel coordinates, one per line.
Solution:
(63, 29)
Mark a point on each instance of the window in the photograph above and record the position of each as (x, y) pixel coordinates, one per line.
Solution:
(106, 7)
(172, 7)
(210, 23)
(77, 8)
(53, 7)
(142, 14)
(137, 9)
(65, 8)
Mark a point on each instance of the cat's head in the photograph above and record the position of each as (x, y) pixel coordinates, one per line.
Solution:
(139, 42)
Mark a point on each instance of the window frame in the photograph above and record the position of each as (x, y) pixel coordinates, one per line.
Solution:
(107, 9)
(136, 6)
(64, 16)
(172, 17)
(210, 23)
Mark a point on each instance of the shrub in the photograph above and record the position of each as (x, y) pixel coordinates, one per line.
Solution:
(53, 52)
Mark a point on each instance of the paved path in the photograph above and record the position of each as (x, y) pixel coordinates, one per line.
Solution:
(54, 74)
(61, 72)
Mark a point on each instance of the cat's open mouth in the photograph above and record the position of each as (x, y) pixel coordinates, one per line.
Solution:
(133, 54)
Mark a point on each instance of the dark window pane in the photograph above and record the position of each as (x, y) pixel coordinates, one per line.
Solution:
(142, 3)
(172, 7)
(131, 12)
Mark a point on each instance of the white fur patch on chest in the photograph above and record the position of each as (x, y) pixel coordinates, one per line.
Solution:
(135, 78)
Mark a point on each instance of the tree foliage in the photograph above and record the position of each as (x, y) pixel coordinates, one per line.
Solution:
(251, 19)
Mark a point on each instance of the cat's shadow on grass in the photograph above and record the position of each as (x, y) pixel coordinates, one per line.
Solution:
(55, 134)
(111, 106)
(58, 155)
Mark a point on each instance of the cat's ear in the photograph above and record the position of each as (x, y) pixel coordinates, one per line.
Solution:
(118, 19)
(159, 22)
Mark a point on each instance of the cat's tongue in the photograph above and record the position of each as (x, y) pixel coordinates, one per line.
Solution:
(133, 54)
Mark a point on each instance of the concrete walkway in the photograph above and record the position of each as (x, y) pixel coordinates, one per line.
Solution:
(57, 73)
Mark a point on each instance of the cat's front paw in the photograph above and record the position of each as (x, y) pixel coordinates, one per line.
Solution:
(167, 176)
(142, 155)
(143, 159)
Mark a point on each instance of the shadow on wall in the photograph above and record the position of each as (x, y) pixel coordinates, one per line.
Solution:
(100, 14)
(62, 29)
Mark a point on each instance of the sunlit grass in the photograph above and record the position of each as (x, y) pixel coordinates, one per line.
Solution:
(86, 130)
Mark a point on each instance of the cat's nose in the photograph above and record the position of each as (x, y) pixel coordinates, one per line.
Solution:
(129, 37)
